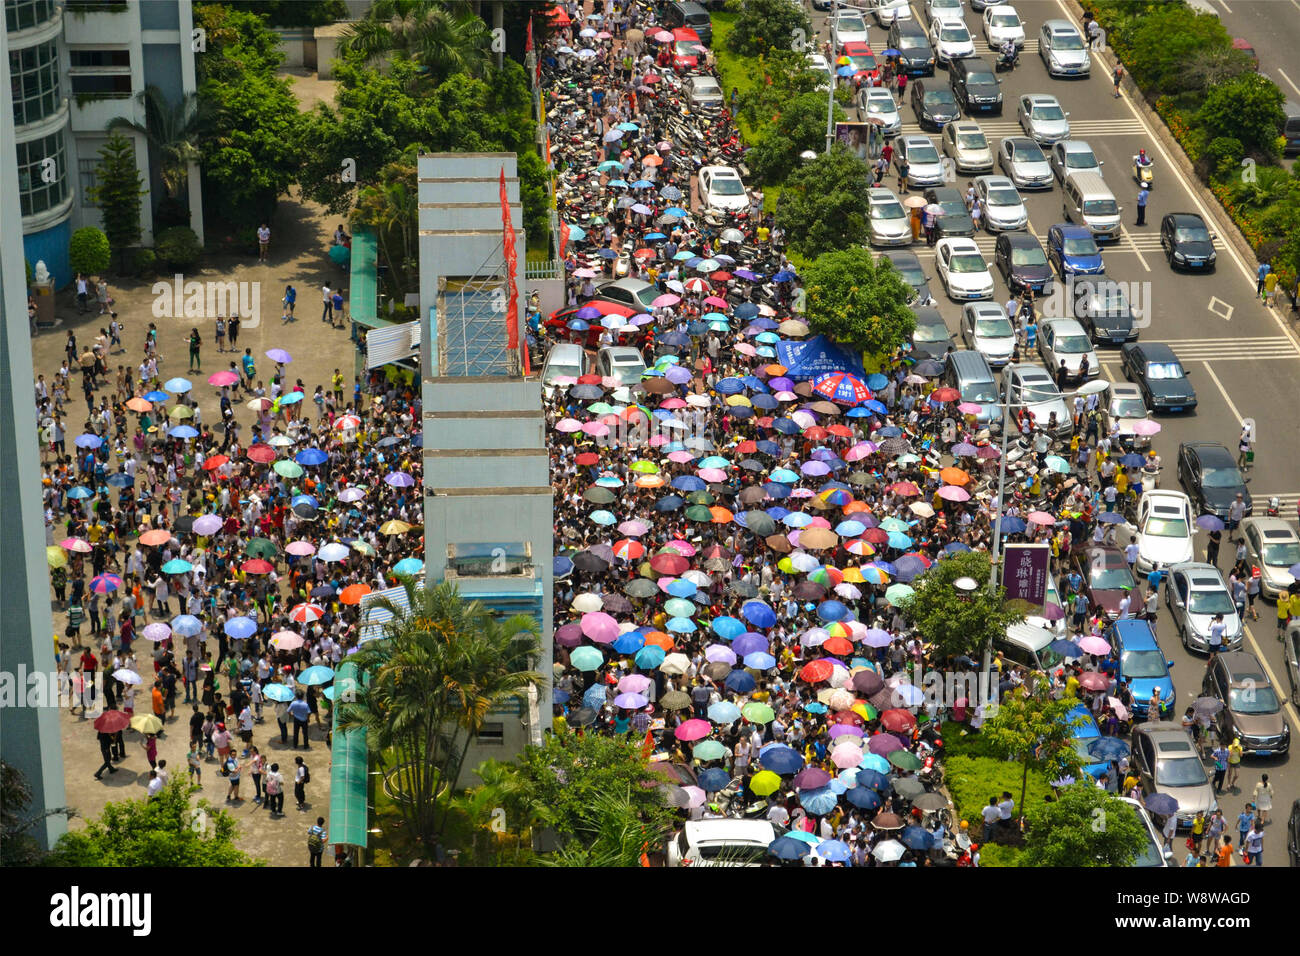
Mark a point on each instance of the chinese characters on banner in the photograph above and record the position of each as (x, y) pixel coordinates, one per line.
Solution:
(1024, 573)
(512, 292)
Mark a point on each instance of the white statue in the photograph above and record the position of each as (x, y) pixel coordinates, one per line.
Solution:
(41, 273)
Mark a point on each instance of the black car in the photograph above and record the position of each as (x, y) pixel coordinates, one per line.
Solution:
(1186, 242)
(907, 263)
(1211, 476)
(931, 334)
(915, 55)
(976, 86)
(1293, 833)
(1019, 256)
(955, 220)
(1156, 371)
(1102, 308)
(934, 106)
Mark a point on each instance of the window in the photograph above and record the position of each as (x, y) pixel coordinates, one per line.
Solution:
(98, 58)
(101, 73)
(35, 81)
(492, 735)
(88, 177)
(25, 14)
(38, 195)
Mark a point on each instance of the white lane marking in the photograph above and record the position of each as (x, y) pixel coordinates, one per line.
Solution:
(1225, 6)
(1259, 653)
(1279, 69)
(1222, 391)
(1224, 311)
(1133, 246)
(1249, 273)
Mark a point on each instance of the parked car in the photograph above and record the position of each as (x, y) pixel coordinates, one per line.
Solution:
(564, 359)
(890, 224)
(1003, 206)
(1252, 708)
(968, 148)
(1074, 251)
(622, 363)
(849, 27)
(931, 333)
(1042, 118)
(863, 61)
(951, 40)
(1071, 156)
(1085, 731)
(1273, 546)
(722, 188)
(976, 87)
(955, 220)
(1166, 761)
(915, 54)
(877, 103)
(924, 167)
(1123, 407)
(1155, 369)
(635, 293)
(1022, 159)
(933, 106)
(1164, 529)
(986, 329)
(1291, 651)
(1106, 578)
(1156, 854)
(1035, 390)
(962, 269)
(952, 11)
(1141, 662)
(1064, 341)
(1186, 242)
(560, 319)
(688, 51)
(1209, 473)
(886, 12)
(722, 842)
(1196, 594)
(1003, 23)
(1022, 262)
(703, 92)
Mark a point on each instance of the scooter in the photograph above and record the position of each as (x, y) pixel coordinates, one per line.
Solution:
(1007, 61)
(623, 264)
(1145, 175)
(1274, 507)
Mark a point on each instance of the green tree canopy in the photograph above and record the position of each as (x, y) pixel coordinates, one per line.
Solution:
(765, 25)
(294, 13)
(851, 299)
(444, 39)
(118, 191)
(1161, 39)
(1083, 826)
(88, 251)
(163, 831)
(798, 127)
(953, 623)
(1248, 108)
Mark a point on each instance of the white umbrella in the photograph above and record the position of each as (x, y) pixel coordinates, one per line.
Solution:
(127, 676)
(890, 851)
(675, 664)
(334, 551)
(585, 603)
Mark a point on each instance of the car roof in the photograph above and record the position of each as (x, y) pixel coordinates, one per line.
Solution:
(1064, 326)
(1058, 25)
(1185, 219)
(1041, 99)
(636, 285)
(996, 182)
(1166, 496)
(720, 171)
(1155, 351)
(882, 193)
(977, 308)
(857, 46)
(1071, 231)
(1202, 568)
(1074, 145)
(1136, 635)
(729, 831)
(901, 255)
(1276, 529)
(563, 350)
(1027, 372)
(1018, 239)
(967, 126)
(915, 139)
(959, 244)
(1125, 389)
(1021, 141)
(622, 351)
(1207, 451)
(945, 193)
(1002, 8)
(1243, 666)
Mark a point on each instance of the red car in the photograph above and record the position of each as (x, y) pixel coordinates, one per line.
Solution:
(688, 51)
(559, 321)
(1106, 579)
(863, 61)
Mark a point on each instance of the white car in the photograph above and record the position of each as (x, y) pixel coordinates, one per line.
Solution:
(1042, 118)
(722, 188)
(1164, 529)
(817, 64)
(887, 11)
(951, 40)
(622, 363)
(924, 166)
(963, 270)
(986, 329)
(950, 10)
(1004, 209)
(849, 27)
(965, 143)
(722, 842)
(1063, 49)
(877, 103)
(890, 223)
(1003, 23)
(1064, 340)
(1073, 156)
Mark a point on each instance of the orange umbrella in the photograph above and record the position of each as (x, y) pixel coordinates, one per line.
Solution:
(817, 539)
(954, 476)
(138, 404)
(853, 507)
(775, 369)
(651, 481)
(814, 672)
(720, 514)
(156, 537)
(837, 645)
(659, 639)
(353, 593)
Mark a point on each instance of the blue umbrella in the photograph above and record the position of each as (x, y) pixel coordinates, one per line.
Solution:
(559, 696)
(178, 385)
(79, 492)
(788, 848)
(408, 566)
(304, 500)
(730, 386)
(1161, 803)
(956, 547)
(1065, 648)
(1011, 524)
(727, 627)
(156, 396)
(916, 838)
(680, 625)
(758, 614)
(311, 456)
(872, 779)
(818, 802)
(832, 611)
(291, 398)
(713, 779)
(177, 566)
(876, 381)
(316, 675)
(834, 850)
(277, 692)
(183, 431)
(779, 758)
(740, 681)
(681, 588)
(863, 798)
(1110, 517)
(629, 643)
(1108, 748)
(760, 661)
(240, 628)
(561, 566)
(1132, 461)
(87, 440)
(594, 697)
(120, 480)
(724, 712)
(689, 483)
(650, 657)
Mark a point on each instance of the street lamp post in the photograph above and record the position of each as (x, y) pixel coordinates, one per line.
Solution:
(830, 96)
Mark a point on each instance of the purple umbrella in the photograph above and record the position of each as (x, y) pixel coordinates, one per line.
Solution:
(847, 730)
(875, 637)
(678, 375)
(207, 524)
(963, 449)
(815, 468)
(630, 701)
(279, 356)
(399, 479)
(780, 384)
(1210, 523)
(884, 744)
(587, 312)
(157, 631)
(810, 778)
(570, 635)
(746, 275)
(749, 643)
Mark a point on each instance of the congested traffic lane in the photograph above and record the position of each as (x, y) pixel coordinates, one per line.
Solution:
(1243, 358)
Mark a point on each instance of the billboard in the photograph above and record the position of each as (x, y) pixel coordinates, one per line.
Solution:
(1024, 573)
(858, 137)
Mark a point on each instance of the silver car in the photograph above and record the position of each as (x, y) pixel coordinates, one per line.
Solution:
(1022, 159)
(986, 329)
(965, 143)
(924, 167)
(1063, 50)
(1074, 156)
(1003, 207)
(1042, 118)
(1196, 594)
(890, 223)
(703, 92)
(1166, 760)
(1273, 547)
(1064, 340)
(1033, 389)
(877, 103)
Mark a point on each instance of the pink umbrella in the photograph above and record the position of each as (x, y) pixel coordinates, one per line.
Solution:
(744, 348)
(633, 684)
(714, 301)
(860, 451)
(665, 300)
(156, 632)
(1146, 427)
(884, 744)
(988, 451)
(684, 548)
(681, 457)
(595, 429)
(846, 755)
(634, 528)
(1093, 645)
(600, 627)
(712, 475)
(1041, 517)
(299, 548)
(568, 425)
(287, 640)
(1120, 710)
(693, 729)
(697, 797)
(953, 493)
(970, 408)
(80, 545)
(207, 524)
(223, 378)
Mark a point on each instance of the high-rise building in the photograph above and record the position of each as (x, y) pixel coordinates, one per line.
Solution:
(74, 67)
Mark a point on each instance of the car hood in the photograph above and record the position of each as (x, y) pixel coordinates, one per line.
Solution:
(1108, 600)
(995, 345)
(983, 90)
(1050, 127)
(1165, 550)
(957, 225)
(1032, 167)
(1220, 500)
(1258, 725)
(1195, 250)
(891, 227)
(1171, 388)
(970, 280)
(1070, 57)
(1038, 273)
(923, 169)
(984, 155)
(1144, 687)
(1084, 263)
(1074, 360)
(1277, 577)
(1190, 799)
(1113, 323)
(1200, 624)
(943, 112)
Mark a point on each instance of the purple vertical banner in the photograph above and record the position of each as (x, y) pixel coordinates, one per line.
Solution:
(1024, 573)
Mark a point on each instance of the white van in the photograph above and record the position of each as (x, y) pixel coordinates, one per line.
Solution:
(722, 842)
(1088, 200)
(1026, 644)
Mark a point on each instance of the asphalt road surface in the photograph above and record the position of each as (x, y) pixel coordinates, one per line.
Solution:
(1244, 358)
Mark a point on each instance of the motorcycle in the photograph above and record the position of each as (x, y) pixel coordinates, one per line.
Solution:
(1274, 507)
(1007, 61)
(623, 264)
(1144, 174)
(930, 774)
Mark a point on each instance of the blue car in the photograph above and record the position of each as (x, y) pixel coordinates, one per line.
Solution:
(1073, 251)
(1084, 734)
(1142, 661)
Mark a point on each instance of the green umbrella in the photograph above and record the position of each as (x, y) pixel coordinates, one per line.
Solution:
(640, 588)
(904, 760)
(679, 607)
(261, 548)
(586, 658)
(674, 700)
(700, 498)
(893, 524)
(699, 513)
(1057, 464)
(898, 592)
(598, 495)
(644, 467)
(861, 479)
(600, 408)
(709, 750)
(288, 469)
(757, 712)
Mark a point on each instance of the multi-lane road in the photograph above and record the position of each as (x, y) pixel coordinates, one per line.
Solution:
(1244, 358)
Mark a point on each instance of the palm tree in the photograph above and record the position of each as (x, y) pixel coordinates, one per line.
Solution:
(391, 207)
(444, 38)
(443, 665)
(617, 835)
(172, 132)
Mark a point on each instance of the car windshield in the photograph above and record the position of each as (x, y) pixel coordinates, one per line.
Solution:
(863, 61)
(706, 86)
(997, 328)
(737, 854)
(1127, 408)
(930, 333)
(1143, 664)
(912, 43)
(1192, 234)
(1180, 772)
(1049, 112)
(980, 78)
(954, 207)
(1004, 197)
(1067, 41)
(938, 98)
(1080, 159)
(1282, 555)
(953, 33)
(982, 392)
(881, 104)
(1164, 371)
(1072, 344)
(726, 186)
(1166, 527)
(1215, 601)
(922, 153)
(1110, 304)
(555, 370)
(1006, 20)
(1027, 153)
(972, 141)
(1100, 207)
(689, 47)
(968, 262)
(911, 273)
(646, 297)
(851, 24)
(1228, 477)
(1028, 256)
(887, 210)
(1253, 700)
(1080, 247)
(1110, 579)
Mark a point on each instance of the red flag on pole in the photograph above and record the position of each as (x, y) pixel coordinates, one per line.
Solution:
(512, 293)
(564, 237)
(528, 39)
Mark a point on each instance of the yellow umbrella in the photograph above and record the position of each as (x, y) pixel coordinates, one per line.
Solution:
(394, 527)
(764, 783)
(854, 576)
(56, 557)
(146, 723)
(181, 411)
(735, 400)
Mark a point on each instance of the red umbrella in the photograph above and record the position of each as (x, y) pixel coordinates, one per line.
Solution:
(905, 488)
(1091, 680)
(586, 458)
(747, 447)
(256, 566)
(840, 431)
(945, 394)
(353, 593)
(837, 645)
(898, 720)
(814, 672)
(670, 564)
(816, 433)
(261, 453)
(693, 729)
(156, 537)
(646, 254)
(588, 379)
(213, 462)
(876, 536)
(848, 717)
(111, 721)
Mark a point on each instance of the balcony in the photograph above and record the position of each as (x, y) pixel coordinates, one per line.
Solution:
(92, 112)
(99, 24)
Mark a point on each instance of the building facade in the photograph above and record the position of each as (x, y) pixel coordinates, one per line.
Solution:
(74, 67)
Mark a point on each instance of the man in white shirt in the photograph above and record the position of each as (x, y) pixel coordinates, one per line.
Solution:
(155, 784)
(778, 814)
(1131, 551)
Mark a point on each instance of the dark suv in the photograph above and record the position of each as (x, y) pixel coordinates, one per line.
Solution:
(1102, 308)
(915, 55)
(975, 85)
(687, 13)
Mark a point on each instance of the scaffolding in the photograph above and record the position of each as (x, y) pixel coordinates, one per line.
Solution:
(472, 338)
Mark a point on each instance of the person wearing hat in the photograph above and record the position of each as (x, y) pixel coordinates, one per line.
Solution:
(1143, 195)
(1235, 751)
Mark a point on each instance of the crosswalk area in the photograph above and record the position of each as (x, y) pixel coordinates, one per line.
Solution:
(1000, 127)
(1287, 502)
(1219, 350)
(1128, 242)
(982, 47)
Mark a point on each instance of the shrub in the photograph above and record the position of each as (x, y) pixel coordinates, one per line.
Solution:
(1248, 108)
(177, 247)
(88, 251)
(1221, 157)
(972, 780)
(765, 25)
(170, 212)
(143, 262)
